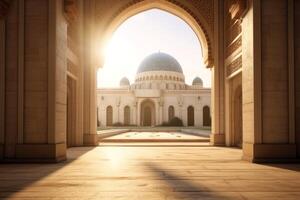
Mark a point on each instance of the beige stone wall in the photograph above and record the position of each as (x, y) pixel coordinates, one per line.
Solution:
(11, 81)
(275, 111)
(35, 72)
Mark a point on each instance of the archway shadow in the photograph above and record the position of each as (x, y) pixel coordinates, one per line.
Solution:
(16, 177)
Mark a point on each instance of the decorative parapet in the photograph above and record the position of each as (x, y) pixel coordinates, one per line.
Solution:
(4, 6)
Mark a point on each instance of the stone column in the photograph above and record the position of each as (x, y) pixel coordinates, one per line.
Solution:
(41, 105)
(268, 123)
(138, 112)
(157, 112)
(134, 113)
(161, 112)
(90, 76)
(217, 95)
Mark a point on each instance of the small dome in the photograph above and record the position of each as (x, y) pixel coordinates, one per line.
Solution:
(124, 82)
(197, 81)
(159, 62)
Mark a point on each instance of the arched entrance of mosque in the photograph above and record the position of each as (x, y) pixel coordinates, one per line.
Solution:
(147, 113)
(190, 116)
(206, 116)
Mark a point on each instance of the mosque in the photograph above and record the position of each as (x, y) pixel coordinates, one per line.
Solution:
(158, 94)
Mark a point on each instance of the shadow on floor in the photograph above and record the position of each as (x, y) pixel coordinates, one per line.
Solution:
(182, 188)
(16, 177)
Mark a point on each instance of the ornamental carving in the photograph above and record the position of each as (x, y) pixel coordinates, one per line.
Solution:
(234, 66)
(4, 6)
(234, 46)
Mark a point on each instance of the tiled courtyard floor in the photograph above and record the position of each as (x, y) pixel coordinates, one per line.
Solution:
(156, 137)
(142, 173)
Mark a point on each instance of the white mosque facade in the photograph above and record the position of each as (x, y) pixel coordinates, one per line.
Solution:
(158, 94)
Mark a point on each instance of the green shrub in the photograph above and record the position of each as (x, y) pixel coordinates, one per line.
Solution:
(117, 124)
(175, 121)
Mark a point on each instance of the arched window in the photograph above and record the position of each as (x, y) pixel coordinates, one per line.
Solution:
(109, 116)
(126, 115)
(206, 116)
(171, 112)
(190, 116)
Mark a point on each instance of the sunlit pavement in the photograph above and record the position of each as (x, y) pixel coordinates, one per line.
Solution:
(140, 173)
(156, 137)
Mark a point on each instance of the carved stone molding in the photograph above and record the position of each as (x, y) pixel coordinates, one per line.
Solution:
(4, 6)
(234, 46)
(234, 66)
(71, 9)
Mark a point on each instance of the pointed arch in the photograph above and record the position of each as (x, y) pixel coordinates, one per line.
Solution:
(126, 115)
(190, 116)
(109, 116)
(206, 116)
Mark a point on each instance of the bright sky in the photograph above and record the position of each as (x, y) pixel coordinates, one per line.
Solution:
(146, 33)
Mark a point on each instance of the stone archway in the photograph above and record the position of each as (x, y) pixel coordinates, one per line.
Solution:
(148, 114)
(197, 22)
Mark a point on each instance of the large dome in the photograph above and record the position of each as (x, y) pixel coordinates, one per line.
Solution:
(159, 62)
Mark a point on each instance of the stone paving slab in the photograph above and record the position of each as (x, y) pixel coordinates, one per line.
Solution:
(151, 172)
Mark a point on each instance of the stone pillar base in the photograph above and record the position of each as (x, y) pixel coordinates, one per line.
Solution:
(217, 139)
(90, 140)
(270, 153)
(38, 153)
